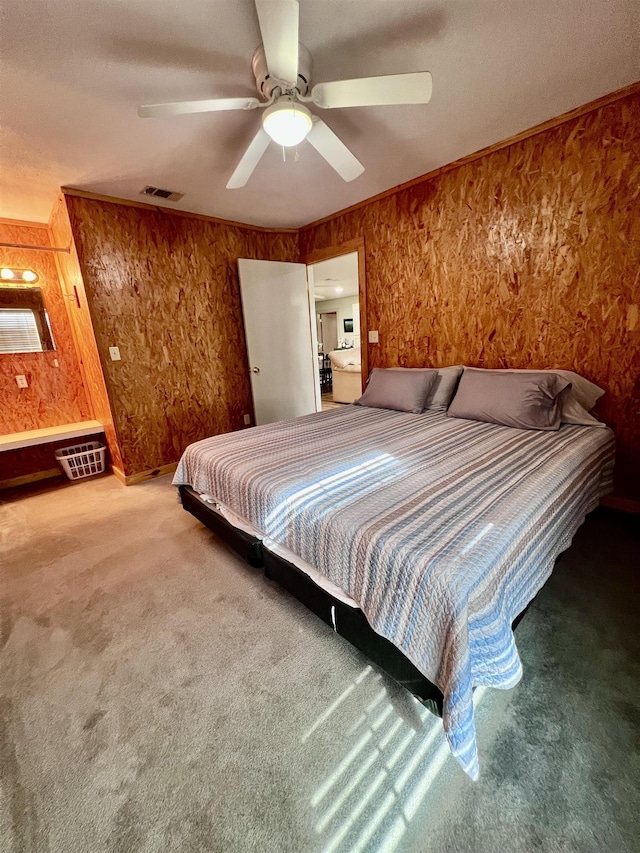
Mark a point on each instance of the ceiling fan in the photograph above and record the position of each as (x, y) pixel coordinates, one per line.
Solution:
(282, 69)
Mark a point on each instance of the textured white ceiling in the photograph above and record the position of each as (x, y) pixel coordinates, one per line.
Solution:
(73, 73)
(339, 272)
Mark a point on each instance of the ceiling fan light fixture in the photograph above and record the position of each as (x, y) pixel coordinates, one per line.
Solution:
(287, 123)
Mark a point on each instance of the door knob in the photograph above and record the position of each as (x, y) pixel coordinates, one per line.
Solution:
(256, 370)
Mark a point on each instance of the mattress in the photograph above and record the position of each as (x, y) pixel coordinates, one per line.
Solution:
(440, 529)
(280, 550)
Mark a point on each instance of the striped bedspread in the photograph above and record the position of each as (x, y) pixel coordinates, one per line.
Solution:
(441, 529)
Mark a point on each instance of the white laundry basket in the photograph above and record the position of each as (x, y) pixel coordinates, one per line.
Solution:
(82, 460)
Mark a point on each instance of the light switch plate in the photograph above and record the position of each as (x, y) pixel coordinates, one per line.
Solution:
(21, 381)
(114, 352)
(373, 336)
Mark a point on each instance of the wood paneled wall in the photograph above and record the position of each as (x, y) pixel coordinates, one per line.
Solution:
(56, 394)
(164, 289)
(525, 257)
(528, 257)
(82, 326)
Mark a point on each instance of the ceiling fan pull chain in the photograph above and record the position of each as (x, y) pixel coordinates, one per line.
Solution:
(284, 154)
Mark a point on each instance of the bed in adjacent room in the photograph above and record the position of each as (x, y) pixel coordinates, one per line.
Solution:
(437, 530)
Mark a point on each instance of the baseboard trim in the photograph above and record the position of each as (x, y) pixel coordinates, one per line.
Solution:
(621, 504)
(30, 478)
(118, 474)
(143, 476)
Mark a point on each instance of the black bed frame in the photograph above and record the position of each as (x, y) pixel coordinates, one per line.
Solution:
(349, 622)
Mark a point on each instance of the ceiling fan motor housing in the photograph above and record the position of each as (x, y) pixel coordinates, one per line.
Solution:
(266, 84)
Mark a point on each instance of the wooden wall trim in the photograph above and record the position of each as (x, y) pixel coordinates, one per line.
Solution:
(186, 214)
(25, 479)
(68, 300)
(364, 314)
(143, 476)
(334, 251)
(73, 287)
(24, 223)
(551, 123)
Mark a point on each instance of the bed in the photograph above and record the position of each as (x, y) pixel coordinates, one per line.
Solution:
(421, 538)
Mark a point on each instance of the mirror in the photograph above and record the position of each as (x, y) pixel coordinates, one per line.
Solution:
(24, 323)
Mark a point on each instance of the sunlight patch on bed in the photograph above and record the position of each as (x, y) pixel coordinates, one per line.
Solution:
(329, 493)
(477, 538)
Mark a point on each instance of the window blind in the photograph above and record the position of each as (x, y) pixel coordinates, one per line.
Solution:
(19, 331)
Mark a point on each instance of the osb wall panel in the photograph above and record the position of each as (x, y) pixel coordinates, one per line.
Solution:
(73, 286)
(55, 394)
(528, 257)
(164, 289)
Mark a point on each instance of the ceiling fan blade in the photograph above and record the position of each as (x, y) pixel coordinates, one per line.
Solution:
(184, 107)
(249, 160)
(334, 151)
(413, 88)
(279, 27)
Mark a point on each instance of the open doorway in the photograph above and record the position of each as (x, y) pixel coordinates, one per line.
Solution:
(335, 286)
(280, 303)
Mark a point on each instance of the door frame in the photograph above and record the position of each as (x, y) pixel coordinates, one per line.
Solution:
(335, 251)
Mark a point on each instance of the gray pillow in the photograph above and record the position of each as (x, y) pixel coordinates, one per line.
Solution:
(443, 386)
(578, 402)
(573, 413)
(528, 400)
(402, 390)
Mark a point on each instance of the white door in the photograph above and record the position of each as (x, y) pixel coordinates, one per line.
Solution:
(329, 331)
(281, 349)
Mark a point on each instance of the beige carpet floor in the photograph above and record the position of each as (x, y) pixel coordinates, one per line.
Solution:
(158, 694)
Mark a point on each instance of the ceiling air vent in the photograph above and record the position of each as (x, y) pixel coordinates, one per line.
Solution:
(158, 193)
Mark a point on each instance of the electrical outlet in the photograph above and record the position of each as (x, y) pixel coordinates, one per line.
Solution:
(373, 337)
(21, 381)
(114, 352)
(247, 420)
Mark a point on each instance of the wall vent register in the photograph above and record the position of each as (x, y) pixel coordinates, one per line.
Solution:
(169, 195)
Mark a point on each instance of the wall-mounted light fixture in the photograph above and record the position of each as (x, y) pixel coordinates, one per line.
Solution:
(23, 276)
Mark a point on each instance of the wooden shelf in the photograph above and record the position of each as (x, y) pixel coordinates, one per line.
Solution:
(28, 438)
